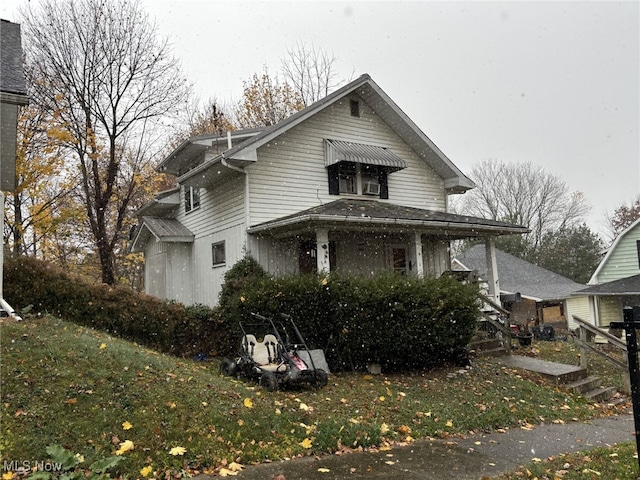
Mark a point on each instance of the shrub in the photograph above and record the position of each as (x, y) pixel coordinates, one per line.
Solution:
(399, 322)
(164, 326)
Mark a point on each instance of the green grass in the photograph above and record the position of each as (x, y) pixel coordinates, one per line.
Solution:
(70, 385)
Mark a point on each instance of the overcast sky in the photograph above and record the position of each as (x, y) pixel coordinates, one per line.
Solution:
(553, 83)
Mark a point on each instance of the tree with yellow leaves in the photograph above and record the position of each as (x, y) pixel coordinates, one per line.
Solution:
(111, 81)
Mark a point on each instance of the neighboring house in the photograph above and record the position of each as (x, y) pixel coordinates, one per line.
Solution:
(531, 293)
(13, 94)
(616, 282)
(348, 184)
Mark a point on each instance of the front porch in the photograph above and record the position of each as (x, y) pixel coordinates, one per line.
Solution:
(366, 236)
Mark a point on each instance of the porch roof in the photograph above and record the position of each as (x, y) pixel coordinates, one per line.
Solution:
(622, 287)
(163, 229)
(357, 214)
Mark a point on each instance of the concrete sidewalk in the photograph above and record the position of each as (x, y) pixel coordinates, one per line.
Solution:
(471, 458)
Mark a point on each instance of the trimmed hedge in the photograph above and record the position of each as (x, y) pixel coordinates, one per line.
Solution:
(164, 326)
(396, 321)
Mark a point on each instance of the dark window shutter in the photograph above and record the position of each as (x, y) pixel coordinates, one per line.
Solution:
(334, 179)
(384, 187)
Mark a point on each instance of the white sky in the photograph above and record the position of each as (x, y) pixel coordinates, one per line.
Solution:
(554, 83)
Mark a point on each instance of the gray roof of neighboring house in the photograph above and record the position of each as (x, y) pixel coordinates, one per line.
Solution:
(378, 214)
(11, 74)
(623, 286)
(518, 275)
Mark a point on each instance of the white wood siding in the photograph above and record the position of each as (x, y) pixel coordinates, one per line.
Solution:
(179, 274)
(221, 207)
(609, 310)
(155, 268)
(208, 279)
(623, 260)
(577, 306)
(290, 174)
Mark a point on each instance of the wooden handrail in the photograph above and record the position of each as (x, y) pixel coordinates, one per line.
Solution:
(493, 304)
(603, 333)
(611, 339)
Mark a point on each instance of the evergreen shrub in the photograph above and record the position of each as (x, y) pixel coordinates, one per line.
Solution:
(399, 322)
(168, 327)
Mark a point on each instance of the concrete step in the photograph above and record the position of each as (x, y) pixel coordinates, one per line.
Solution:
(601, 394)
(584, 385)
(557, 372)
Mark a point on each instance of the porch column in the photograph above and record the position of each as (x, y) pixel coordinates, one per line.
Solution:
(322, 250)
(492, 269)
(419, 259)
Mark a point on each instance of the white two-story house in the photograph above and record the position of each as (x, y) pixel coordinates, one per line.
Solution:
(349, 184)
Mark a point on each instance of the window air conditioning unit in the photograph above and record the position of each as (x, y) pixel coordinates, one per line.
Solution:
(371, 188)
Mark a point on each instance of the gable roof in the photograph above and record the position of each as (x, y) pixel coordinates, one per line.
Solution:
(12, 81)
(385, 108)
(621, 287)
(163, 229)
(357, 213)
(594, 278)
(519, 276)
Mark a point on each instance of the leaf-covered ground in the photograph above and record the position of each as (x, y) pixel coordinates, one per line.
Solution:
(98, 396)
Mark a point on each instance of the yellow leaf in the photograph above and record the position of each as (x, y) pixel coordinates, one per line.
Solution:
(449, 423)
(235, 467)
(323, 470)
(240, 422)
(146, 471)
(177, 451)
(248, 402)
(7, 476)
(125, 447)
(384, 428)
(278, 411)
(126, 426)
(103, 346)
(224, 472)
(306, 443)
(381, 398)
(304, 407)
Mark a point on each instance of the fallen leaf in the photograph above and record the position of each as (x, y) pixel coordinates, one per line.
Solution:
(248, 402)
(323, 470)
(146, 471)
(224, 472)
(235, 467)
(125, 447)
(306, 443)
(177, 451)
(126, 426)
(103, 346)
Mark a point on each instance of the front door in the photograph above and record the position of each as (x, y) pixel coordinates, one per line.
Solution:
(399, 259)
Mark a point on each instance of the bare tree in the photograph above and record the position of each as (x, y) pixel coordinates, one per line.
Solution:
(523, 194)
(101, 70)
(310, 71)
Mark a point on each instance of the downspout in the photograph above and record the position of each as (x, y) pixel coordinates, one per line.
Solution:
(4, 305)
(247, 213)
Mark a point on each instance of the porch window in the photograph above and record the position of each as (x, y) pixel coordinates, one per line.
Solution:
(218, 254)
(399, 258)
(191, 199)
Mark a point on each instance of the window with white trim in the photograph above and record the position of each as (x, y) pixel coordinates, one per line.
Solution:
(191, 198)
(218, 254)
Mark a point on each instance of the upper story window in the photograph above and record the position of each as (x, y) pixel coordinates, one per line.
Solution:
(355, 108)
(359, 169)
(191, 198)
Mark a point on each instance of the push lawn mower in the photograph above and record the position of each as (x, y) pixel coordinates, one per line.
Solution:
(274, 354)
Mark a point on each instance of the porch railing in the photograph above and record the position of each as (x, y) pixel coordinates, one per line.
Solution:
(586, 339)
(504, 329)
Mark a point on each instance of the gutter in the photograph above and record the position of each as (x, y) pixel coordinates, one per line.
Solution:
(247, 212)
(380, 221)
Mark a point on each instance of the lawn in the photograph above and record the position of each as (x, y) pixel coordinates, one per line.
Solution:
(96, 395)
